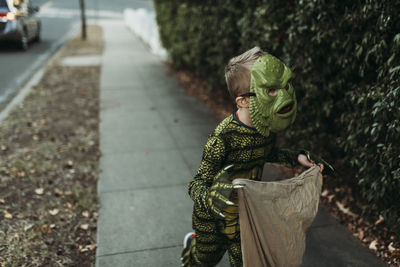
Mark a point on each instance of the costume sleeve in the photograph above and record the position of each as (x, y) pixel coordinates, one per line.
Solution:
(211, 164)
(285, 156)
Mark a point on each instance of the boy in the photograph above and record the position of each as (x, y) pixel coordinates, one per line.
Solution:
(246, 140)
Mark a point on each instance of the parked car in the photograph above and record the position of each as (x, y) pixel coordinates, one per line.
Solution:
(19, 22)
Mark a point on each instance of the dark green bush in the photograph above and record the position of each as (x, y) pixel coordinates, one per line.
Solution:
(346, 57)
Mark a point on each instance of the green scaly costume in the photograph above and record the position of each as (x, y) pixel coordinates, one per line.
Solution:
(247, 149)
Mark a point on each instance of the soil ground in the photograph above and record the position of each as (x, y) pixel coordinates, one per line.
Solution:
(49, 149)
(348, 207)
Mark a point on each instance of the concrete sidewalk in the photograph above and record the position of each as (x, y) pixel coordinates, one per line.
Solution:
(151, 137)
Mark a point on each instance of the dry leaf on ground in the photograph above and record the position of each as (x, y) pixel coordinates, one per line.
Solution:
(87, 248)
(372, 245)
(54, 211)
(381, 219)
(46, 229)
(7, 215)
(345, 210)
(393, 249)
(325, 193)
(39, 191)
(29, 226)
(58, 192)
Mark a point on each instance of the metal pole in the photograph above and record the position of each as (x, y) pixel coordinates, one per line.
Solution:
(83, 18)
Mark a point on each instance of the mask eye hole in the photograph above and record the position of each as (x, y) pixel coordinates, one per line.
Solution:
(272, 92)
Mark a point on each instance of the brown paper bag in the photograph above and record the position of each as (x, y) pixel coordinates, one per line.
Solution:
(274, 217)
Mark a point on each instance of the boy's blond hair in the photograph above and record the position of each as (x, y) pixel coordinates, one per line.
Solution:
(237, 72)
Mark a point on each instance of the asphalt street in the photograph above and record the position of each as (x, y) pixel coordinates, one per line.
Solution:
(59, 20)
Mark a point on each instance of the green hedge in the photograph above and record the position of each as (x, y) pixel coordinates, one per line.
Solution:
(346, 57)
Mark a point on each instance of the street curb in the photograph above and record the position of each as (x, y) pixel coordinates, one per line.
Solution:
(38, 72)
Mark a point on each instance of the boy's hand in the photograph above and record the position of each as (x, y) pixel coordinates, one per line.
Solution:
(303, 160)
(219, 193)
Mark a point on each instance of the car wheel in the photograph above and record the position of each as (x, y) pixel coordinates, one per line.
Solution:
(23, 42)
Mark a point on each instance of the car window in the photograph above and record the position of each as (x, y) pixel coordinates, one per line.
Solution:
(3, 3)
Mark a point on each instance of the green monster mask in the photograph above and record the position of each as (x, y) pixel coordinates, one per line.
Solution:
(268, 112)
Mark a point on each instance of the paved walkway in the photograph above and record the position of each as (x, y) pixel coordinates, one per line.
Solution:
(151, 137)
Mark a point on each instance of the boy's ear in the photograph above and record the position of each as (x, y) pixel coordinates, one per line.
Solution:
(243, 102)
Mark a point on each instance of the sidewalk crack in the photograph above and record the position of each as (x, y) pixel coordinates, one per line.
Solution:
(136, 251)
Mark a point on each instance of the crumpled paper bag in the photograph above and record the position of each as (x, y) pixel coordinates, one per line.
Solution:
(274, 217)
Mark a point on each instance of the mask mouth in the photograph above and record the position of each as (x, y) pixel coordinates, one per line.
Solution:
(286, 109)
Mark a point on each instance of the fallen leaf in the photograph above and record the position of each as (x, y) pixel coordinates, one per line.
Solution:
(7, 215)
(21, 174)
(372, 245)
(92, 246)
(392, 249)
(35, 138)
(29, 226)
(70, 163)
(83, 249)
(52, 225)
(54, 212)
(87, 247)
(3, 147)
(68, 193)
(69, 206)
(46, 229)
(58, 192)
(367, 239)
(2, 201)
(360, 234)
(85, 213)
(325, 193)
(84, 226)
(345, 210)
(381, 219)
(39, 191)
(330, 197)
(32, 171)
